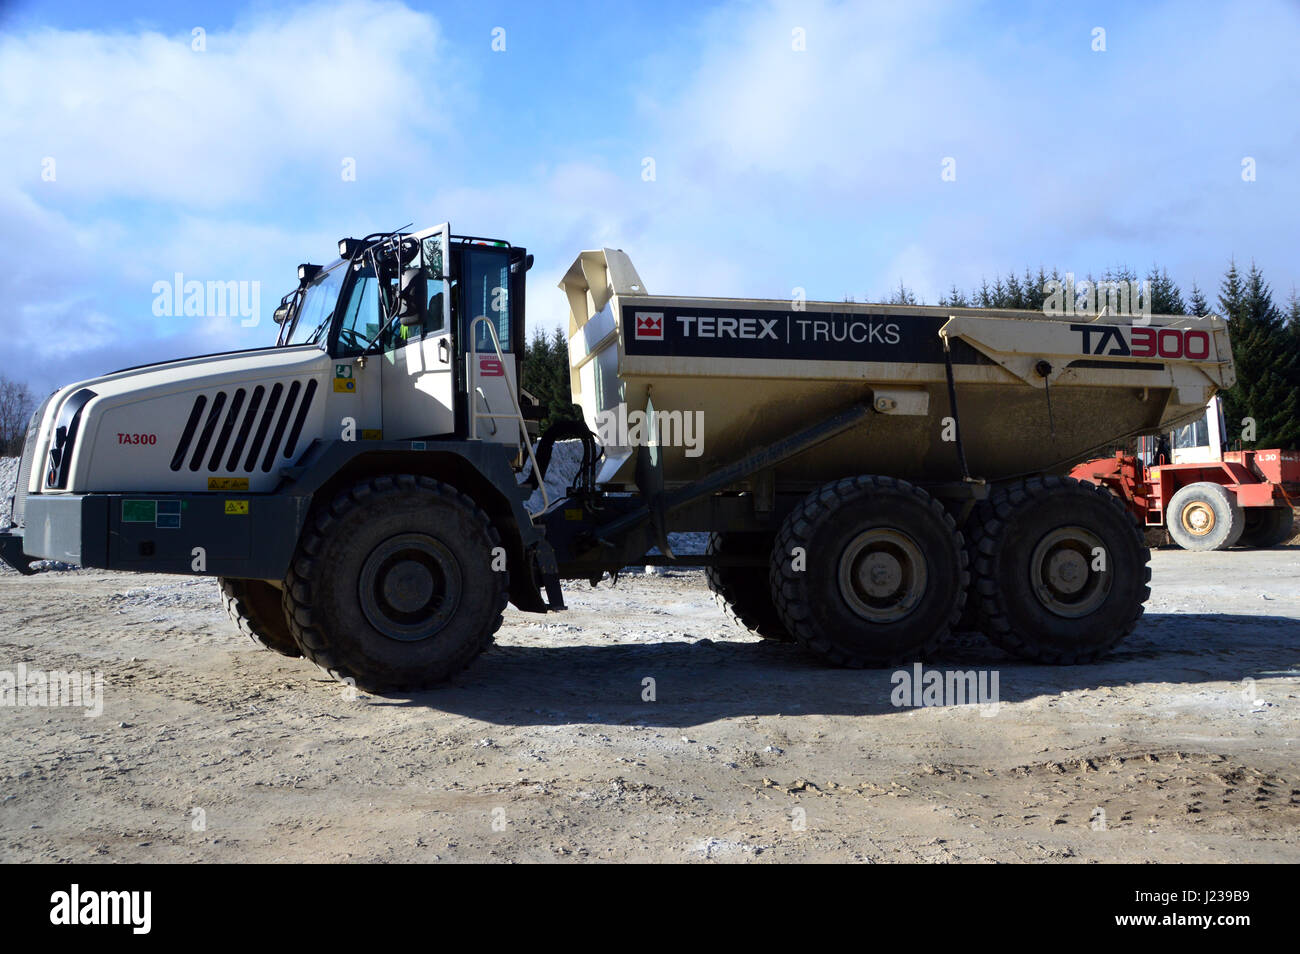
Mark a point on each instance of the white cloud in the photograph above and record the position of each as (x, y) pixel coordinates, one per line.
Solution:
(144, 116)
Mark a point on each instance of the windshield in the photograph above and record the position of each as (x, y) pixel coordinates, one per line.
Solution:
(317, 308)
(1196, 434)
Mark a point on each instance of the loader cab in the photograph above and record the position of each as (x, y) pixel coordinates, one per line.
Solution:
(1202, 440)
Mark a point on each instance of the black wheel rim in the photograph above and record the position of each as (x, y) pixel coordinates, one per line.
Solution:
(409, 587)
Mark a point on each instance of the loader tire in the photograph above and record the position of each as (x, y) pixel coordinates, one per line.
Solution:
(1267, 527)
(1205, 516)
(869, 571)
(1044, 591)
(743, 592)
(255, 607)
(393, 586)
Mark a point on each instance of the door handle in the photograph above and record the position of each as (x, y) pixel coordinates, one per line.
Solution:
(444, 351)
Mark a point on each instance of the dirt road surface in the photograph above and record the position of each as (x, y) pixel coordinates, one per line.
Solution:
(1181, 746)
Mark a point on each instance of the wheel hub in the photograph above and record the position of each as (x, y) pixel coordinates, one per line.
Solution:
(1064, 573)
(409, 587)
(1198, 518)
(882, 575)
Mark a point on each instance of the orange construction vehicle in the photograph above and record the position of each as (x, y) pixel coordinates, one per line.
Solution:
(1205, 496)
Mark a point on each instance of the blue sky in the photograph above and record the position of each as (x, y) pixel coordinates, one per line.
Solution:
(774, 167)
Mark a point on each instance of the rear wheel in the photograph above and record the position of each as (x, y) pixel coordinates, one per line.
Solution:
(1061, 570)
(743, 592)
(1205, 516)
(869, 571)
(393, 584)
(255, 607)
(1267, 527)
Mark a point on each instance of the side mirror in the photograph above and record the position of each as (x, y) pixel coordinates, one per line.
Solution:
(410, 297)
(281, 315)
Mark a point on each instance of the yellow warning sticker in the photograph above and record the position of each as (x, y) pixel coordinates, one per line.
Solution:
(371, 435)
(237, 506)
(344, 386)
(227, 483)
(575, 514)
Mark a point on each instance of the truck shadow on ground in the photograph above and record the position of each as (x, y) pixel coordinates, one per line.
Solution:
(706, 680)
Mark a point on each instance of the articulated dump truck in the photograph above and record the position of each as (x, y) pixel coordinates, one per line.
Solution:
(870, 476)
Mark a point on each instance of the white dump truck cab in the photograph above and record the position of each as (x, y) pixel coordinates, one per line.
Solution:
(408, 342)
(412, 324)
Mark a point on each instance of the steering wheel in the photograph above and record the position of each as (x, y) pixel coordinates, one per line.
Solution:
(349, 338)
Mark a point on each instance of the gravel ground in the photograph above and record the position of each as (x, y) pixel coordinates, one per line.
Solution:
(1181, 746)
(8, 476)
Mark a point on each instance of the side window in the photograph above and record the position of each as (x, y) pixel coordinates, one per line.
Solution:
(435, 269)
(361, 318)
(486, 282)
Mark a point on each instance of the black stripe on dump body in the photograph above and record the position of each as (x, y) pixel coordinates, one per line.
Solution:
(227, 427)
(271, 402)
(187, 435)
(280, 425)
(249, 419)
(209, 426)
(292, 443)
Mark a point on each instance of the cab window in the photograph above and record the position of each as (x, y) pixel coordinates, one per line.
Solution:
(485, 281)
(312, 322)
(361, 317)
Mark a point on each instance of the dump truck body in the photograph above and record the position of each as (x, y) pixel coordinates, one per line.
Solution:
(1035, 393)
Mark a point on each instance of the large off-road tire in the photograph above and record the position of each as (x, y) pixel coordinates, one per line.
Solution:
(255, 607)
(744, 592)
(869, 571)
(1205, 516)
(969, 621)
(393, 585)
(1267, 527)
(1045, 591)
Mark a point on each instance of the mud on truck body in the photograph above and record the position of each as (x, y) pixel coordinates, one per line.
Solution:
(869, 475)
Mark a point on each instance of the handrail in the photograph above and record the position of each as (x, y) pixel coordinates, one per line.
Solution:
(472, 375)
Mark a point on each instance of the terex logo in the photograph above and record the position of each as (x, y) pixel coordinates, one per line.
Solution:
(650, 324)
(705, 326)
(1143, 341)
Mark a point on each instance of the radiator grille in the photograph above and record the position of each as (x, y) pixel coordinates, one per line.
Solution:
(244, 430)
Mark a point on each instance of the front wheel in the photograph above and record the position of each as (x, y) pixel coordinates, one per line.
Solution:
(399, 583)
(1205, 516)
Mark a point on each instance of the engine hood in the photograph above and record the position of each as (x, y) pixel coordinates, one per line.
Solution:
(132, 423)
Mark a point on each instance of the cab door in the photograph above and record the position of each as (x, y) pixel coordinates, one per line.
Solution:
(419, 390)
(489, 314)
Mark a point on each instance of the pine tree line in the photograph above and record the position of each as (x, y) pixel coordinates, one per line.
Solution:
(546, 376)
